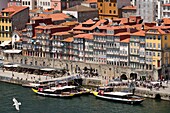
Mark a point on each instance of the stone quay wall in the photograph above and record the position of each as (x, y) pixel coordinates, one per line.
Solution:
(104, 70)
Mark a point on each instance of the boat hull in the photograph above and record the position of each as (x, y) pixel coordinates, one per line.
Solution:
(52, 95)
(126, 101)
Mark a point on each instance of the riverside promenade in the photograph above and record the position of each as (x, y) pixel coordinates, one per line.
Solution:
(23, 77)
(20, 78)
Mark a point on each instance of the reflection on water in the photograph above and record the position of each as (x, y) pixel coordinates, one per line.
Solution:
(32, 103)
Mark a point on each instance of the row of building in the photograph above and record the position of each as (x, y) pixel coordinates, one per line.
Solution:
(122, 42)
(149, 10)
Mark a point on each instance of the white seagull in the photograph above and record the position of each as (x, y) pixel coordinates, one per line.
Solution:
(16, 104)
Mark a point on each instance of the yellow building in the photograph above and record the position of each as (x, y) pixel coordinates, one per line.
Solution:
(166, 47)
(157, 44)
(11, 18)
(110, 8)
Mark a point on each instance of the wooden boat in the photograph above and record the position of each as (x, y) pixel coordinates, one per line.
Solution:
(63, 91)
(123, 97)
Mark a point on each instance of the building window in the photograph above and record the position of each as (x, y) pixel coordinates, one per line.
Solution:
(6, 28)
(154, 37)
(165, 37)
(2, 20)
(110, 11)
(158, 54)
(101, 4)
(159, 46)
(110, 4)
(154, 45)
(159, 37)
(150, 44)
(100, 11)
(2, 28)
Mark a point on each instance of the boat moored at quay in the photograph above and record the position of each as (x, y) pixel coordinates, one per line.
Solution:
(123, 97)
(61, 91)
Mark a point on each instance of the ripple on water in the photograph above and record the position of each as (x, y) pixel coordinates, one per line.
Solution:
(32, 103)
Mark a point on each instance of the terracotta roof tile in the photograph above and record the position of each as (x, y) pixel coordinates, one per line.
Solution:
(166, 4)
(55, 16)
(127, 40)
(80, 27)
(122, 33)
(90, 1)
(166, 21)
(61, 33)
(70, 39)
(85, 36)
(70, 23)
(49, 27)
(139, 33)
(90, 21)
(100, 34)
(129, 7)
(14, 9)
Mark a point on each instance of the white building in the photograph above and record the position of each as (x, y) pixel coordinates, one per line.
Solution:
(150, 10)
(32, 4)
(45, 4)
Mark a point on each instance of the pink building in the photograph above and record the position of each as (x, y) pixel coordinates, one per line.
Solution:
(3, 4)
(61, 5)
(14, 3)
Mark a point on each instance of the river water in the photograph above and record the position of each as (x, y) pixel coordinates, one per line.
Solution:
(32, 103)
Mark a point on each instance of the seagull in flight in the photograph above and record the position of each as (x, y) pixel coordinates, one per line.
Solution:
(16, 104)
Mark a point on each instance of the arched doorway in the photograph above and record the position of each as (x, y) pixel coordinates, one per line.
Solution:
(123, 77)
(133, 75)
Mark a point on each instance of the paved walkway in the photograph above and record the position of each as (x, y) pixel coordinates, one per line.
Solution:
(26, 76)
(33, 77)
(161, 90)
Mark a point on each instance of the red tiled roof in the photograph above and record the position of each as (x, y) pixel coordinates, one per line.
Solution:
(50, 27)
(90, 21)
(14, 9)
(122, 33)
(166, 20)
(166, 4)
(90, 1)
(85, 36)
(55, 16)
(127, 40)
(61, 33)
(38, 18)
(138, 33)
(129, 7)
(158, 29)
(70, 39)
(80, 27)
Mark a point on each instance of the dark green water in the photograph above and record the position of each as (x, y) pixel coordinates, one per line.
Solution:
(32, 103)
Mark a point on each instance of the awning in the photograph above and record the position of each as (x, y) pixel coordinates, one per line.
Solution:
(5, 43)
(47, 69)
(15, 65)
(12, 51)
